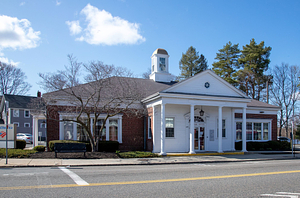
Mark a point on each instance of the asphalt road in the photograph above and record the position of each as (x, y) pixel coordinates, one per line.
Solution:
(239, 179)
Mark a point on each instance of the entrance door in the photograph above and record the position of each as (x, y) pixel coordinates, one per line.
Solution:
(199, 141)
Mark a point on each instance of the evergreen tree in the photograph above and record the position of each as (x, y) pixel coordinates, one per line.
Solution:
(228, 64)
(191, 63)
(255, 61)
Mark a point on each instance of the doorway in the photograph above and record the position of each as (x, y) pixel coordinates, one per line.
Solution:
(199, 140)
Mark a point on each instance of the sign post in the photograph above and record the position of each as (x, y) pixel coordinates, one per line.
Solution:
(6, 130)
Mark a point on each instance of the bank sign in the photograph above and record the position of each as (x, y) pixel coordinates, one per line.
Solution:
(10, 133)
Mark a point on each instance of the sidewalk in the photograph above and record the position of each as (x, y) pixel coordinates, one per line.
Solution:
(170, 159)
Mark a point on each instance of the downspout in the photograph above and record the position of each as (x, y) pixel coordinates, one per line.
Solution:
(145, 133)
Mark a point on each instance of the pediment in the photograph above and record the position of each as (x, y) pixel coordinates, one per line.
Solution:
(206, 83)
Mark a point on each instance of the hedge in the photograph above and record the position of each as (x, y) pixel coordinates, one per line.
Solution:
(265, 146)
(51, 144)
(39, 148)
(108, 146)
(20, 144)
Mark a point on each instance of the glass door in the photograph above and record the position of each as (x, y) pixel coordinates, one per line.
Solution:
(199, 140)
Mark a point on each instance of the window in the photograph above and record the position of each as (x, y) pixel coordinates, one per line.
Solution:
(68, 130)
(16, 113)
(254, 131)
(238, 131)
(113, 130)
(99, 124)
(170, 127)
(26, 125)
(223, 128)
(81, 132)
(43, 125)
(149, 128)
(26, 114)
(162, 64)
(16, 123)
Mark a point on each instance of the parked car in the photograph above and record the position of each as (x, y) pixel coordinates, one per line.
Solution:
(25, 136)
(283, 139)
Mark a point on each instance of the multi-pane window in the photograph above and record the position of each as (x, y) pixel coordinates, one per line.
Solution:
(102, 133)
(113, 130)
(254, 131)
(149, 128)
(26, 125)
(16, 113)
(162, 64)
(170, 127)
(16, 123)
(223, 128)
(81, 132)
(26, 114)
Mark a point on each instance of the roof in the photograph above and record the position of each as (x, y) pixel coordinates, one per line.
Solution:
(115, 87)
(160, 51)
(16, 101)
(259, 104)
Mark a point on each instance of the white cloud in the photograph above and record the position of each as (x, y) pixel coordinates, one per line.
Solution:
(74, 27)
(5, 60)
(105, 29)
(58, 3)
(22, 3)
(17, 34)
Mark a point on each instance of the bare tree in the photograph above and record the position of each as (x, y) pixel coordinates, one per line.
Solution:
(12, 80)
(285, 92)
(108, 91)
(146, 74)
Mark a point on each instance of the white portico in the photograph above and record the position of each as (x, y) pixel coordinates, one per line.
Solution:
(197, 114)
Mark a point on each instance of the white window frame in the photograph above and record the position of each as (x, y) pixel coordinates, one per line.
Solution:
(17, 123)
(261, 121)
(16, 111)
(25, 113)
(43, 125)
(102, 116)
(173, 127)
(28, 125)
(222, 128)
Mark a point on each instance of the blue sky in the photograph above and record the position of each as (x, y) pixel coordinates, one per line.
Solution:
(38, 35)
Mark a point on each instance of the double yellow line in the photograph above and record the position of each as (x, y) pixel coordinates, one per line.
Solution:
(147, 181)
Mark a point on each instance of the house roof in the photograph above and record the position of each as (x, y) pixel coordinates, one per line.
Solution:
(259, 104)
(16, 101)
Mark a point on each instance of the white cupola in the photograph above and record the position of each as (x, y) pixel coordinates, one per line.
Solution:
(160, 66)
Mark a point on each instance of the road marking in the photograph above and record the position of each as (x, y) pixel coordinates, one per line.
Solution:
(148, 181)
(24, 174)
(75, 177)
(276, 195)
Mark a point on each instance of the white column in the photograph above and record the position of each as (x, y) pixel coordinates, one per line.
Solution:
(220, 149)
(153, 129)
(162, 131)
(61, 128)
(35, 131)
(74, 131)
(232, 129)
(107, 129)
(120, 130)
(192, 147)
(244, 149)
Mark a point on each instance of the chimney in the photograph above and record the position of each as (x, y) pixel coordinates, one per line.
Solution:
(39, 94)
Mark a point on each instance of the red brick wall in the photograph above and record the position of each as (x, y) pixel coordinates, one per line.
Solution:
(263, 116)
(132, 128)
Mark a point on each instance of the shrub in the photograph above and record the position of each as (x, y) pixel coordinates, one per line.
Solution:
(264, 146)
(39, 148)
(17, 153)
(108, 146)
(51, 144)
(137, 154)
(20, 144)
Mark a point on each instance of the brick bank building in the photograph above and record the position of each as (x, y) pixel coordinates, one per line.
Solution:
(201, 113)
